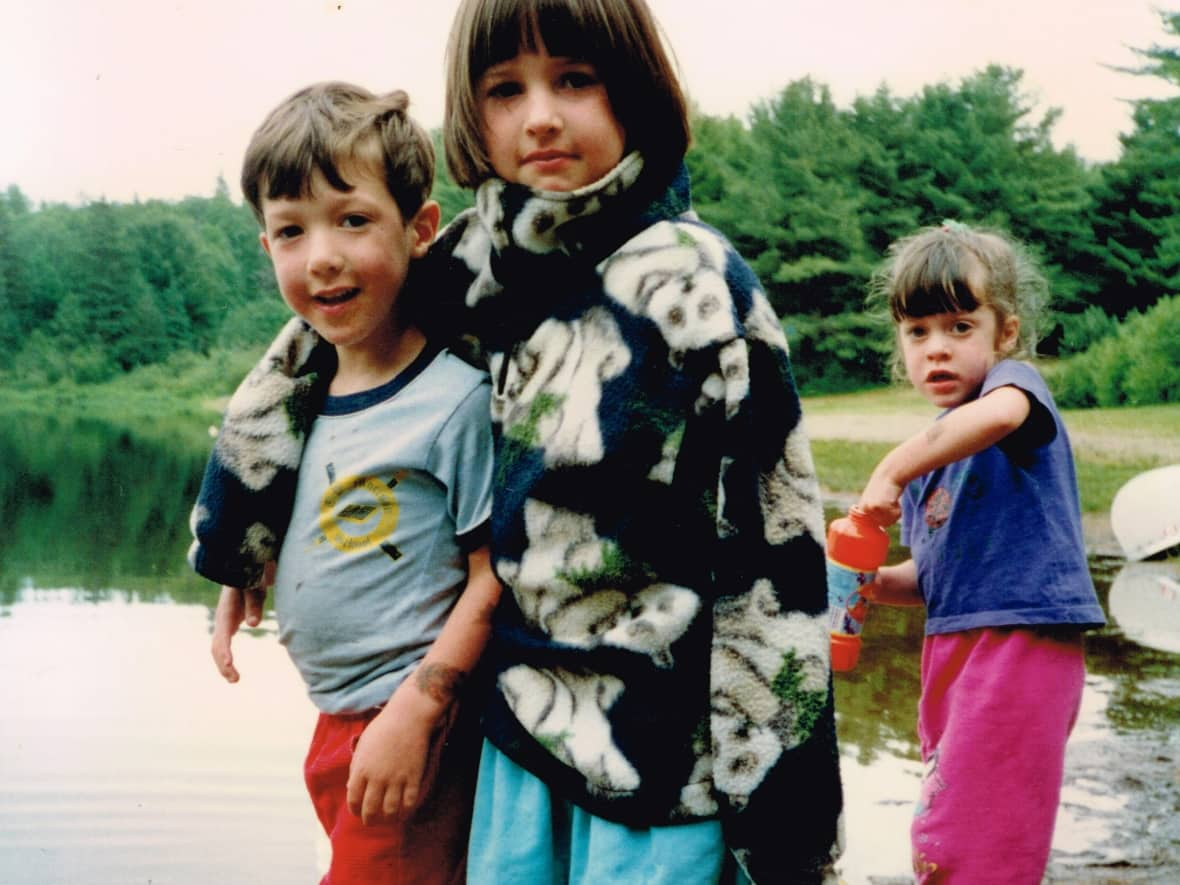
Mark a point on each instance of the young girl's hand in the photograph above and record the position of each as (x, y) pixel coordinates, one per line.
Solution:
(234, 607)
(392, 768)
(894, 585)
(881, 500)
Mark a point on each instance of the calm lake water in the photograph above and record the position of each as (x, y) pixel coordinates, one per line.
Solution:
(124, 758)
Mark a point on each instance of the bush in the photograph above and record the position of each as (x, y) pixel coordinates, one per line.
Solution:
(1154, 375)
(1081, 331)
(253, 322)
(839, 353)
(1139, 365)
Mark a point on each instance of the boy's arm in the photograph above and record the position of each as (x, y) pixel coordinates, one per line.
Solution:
(248, 488)
(963, 431)
(387, 777)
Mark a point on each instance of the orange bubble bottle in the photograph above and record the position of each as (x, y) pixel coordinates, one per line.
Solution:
(857, 547)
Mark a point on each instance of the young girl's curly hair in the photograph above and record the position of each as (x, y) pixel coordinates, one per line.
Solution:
(952, 267)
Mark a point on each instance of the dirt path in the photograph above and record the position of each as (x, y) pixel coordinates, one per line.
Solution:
(901, 425)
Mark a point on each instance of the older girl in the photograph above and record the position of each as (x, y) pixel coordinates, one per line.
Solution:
(661, 679)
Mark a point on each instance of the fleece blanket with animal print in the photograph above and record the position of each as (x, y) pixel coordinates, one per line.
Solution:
(662, 655)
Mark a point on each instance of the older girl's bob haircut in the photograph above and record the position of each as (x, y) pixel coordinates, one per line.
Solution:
(619, 38)
(336, 127)
(952, 268)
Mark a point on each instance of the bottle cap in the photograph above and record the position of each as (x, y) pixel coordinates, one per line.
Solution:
(845, 651)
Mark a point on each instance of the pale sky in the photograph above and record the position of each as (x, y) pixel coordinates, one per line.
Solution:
(155, 98)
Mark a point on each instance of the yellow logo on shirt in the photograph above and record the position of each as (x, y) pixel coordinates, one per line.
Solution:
(358, 512)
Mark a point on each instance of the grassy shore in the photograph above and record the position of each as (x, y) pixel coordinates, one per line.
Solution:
(851, 432)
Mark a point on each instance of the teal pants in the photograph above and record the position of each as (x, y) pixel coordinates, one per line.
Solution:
(522, 833)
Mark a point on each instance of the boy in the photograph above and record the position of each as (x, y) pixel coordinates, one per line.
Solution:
(383, 585)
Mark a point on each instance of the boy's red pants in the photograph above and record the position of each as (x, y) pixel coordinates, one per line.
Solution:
(430, 847)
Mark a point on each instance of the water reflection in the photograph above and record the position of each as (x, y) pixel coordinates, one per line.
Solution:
(90, 505)
(125, 758)
(1145, 602)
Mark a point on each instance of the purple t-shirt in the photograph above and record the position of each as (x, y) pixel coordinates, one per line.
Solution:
(997, 537)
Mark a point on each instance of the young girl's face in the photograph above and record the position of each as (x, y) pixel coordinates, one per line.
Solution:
(947, 355)
(548, 122)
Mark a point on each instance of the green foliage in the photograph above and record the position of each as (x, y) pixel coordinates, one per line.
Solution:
(842, 352)
(1081, 331)
(811, 193)
(94, 291)
(187, 376)
(255, 321)
(1135, 249)
(451, 198)
(1139, 364)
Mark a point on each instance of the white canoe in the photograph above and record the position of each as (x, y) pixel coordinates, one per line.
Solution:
(1145, 603)
(1145, 512)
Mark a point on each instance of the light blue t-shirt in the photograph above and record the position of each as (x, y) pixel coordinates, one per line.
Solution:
(395, 488)
(997, 537)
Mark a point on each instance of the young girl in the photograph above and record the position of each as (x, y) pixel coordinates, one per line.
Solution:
(989, 509)
(660, 699)
(661, 679)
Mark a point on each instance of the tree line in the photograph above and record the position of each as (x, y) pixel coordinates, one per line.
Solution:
(811, 194)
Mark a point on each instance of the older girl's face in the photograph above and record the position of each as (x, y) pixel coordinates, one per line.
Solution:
(548, 122)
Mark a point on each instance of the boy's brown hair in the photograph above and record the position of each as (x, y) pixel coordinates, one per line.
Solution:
(619, 37)
(331, 125)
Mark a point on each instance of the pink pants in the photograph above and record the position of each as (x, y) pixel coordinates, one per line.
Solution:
(430, 847)
(997, 707)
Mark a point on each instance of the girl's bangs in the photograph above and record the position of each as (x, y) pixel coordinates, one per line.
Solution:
(512, 27)
(930, 297)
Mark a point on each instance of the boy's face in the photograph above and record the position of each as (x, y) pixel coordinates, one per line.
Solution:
(341, 258)
(947, 355)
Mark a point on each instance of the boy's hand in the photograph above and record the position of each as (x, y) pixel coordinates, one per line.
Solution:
(388, 778)
(234, 607)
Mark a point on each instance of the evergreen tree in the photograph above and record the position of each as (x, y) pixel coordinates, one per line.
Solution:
(1137, 226)
(972, 153)
(191, 271)
(108, 291)
(799, 203)
(10, 295)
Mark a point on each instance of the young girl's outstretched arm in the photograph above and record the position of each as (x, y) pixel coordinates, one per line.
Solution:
(895, 585)
(965, 430)
(387, 777)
